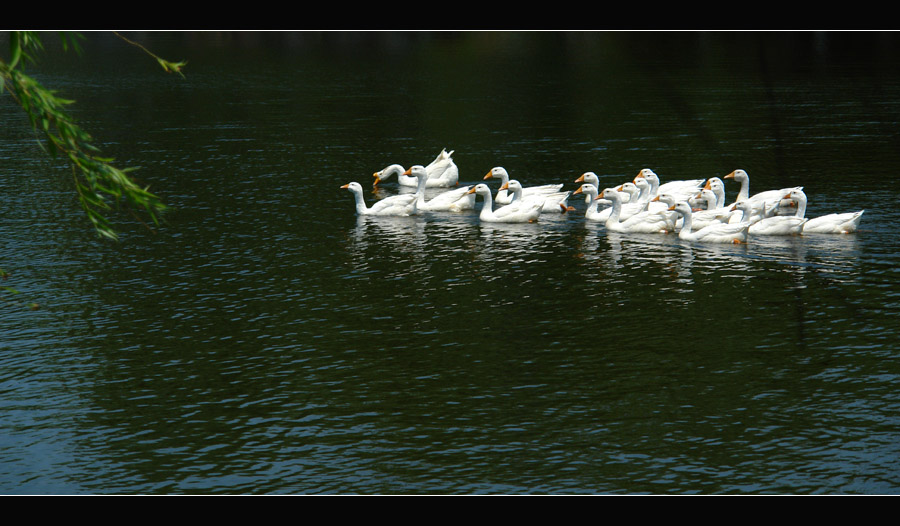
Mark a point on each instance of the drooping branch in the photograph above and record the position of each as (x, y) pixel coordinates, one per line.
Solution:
(170, 67)
(98, 183)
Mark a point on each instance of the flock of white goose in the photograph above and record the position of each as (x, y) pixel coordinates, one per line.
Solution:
(696, 211)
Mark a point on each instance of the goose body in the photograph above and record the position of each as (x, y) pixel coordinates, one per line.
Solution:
(715, 233)
(442, 173)
(592, 212)
(455, 200)
(681, 190)
(843, 223)
(645, 222)
(778, 226)
(592, 179)
(555, 202)
(504, 197)
(635, 203)
(715, 212)
(521, 212)
(770, 198)
(398, 205)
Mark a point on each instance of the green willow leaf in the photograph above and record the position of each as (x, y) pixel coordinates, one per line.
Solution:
(97, 181)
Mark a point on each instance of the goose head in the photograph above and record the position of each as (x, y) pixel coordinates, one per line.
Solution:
(353, 187)
(499, 172)
(416, 171)
(744, 206)
(738, 175)
(630, 188)
(512, 186)
(387, 172)
(707, 195)
(586, 188)
(642, 184)
(712, 182)
(665, 198)
(588, 177)
(609, 193)
(646, 173)
(479, 189)
(649, 175)
(796, 195)
(680, 207)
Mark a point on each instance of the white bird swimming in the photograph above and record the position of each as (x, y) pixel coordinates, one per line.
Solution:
(715, 233)
(592, 212)
(641, 223)
(704, 200)
(455, 200)
(717, 187)
(681, 190)
(777, 226)
(715, 212)
(844, 223)
(398, 205)
(442, 173)
(556, 202)
(520, 212)
(591, 178)
(768, 196)
(504, 197)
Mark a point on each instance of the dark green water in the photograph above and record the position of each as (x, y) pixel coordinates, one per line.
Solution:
(266, 340)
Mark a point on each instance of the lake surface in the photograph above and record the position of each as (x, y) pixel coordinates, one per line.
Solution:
(266, 340)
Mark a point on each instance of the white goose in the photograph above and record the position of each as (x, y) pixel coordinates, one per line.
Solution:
(592, 212)
(630, 204)
(844, 223)
(715, 212)
(520, 212)
(715, 233)
(681, 190)
(717, 186)
(398, 205)
(442, 173)
(632, 193)
(771, 197)
(762, 224)
(455, 200)
(590, 178)
(668, 201)
(556, 202)
(640, 223)
(504, 197)
(778, 226)
(704, 200)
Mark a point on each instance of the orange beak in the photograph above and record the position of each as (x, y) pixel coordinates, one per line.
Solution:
(377, 179)
(729, 176)
(488, 176)
(580, 179)
(346, 186)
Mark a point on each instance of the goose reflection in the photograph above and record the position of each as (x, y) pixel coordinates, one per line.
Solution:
(513, 242)
(392, 242)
